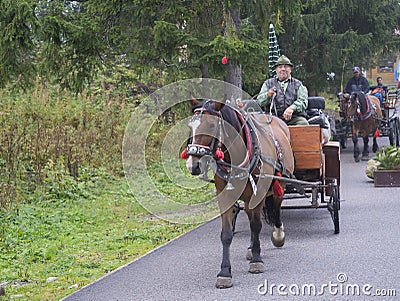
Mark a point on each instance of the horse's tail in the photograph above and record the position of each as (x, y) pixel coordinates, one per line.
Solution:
(269, 210)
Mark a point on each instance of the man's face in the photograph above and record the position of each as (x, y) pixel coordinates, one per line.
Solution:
(356, 74)
(283, 72)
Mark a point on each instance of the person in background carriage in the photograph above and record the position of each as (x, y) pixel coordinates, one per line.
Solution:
(288, 94)
(380, 91)
(357, 83)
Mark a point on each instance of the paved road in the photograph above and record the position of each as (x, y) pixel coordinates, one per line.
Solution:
(366, 253)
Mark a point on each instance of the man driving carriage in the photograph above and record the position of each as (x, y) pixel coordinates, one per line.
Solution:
(357, 83)
(288, 95)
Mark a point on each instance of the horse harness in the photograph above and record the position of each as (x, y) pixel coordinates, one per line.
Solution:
(254, 157)
(369, 110)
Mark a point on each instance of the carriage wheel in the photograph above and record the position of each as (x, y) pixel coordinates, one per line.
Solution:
(397, 131)
(334, 207)
(392, 131)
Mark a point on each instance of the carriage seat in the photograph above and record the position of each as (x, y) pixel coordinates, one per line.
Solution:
(316, 102)
(314, 111)
(315, 116)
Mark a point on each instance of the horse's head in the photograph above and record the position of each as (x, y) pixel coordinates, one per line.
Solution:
(352, 105)
(357, 104)
(343, 100)
(205, 138)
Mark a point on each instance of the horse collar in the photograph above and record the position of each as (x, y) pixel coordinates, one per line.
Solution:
(368, 111)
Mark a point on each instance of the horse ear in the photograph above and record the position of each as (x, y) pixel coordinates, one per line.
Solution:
(194, 101)
(219, 104)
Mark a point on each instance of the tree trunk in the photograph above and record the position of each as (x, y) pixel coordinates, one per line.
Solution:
(205, 79)
(233, 77)
(234, 69)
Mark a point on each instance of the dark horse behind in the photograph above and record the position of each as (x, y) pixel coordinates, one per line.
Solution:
(249, 154)
(365, 113)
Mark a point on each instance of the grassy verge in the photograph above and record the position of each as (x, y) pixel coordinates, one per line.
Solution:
(67, 217)
(52, 246)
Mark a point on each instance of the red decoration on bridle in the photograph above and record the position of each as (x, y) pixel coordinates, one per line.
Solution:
(219, 154)
(184, 154)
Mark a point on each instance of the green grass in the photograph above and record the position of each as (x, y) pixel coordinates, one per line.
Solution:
(64, 220)
(331, 102)
(78, 235)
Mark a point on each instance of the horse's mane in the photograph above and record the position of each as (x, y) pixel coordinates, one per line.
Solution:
(227, 112)
(363, 102)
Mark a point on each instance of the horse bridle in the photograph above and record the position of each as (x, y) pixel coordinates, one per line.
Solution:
(348, 102)
(199, 150)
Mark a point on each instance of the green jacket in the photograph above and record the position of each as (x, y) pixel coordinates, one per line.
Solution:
(293, 94)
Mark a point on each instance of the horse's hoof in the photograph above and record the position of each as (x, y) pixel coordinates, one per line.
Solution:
(249, 254)
(223, 282)
(277, 242)
(278, 237)
(357, 159)
(256, 267)
(364, 158)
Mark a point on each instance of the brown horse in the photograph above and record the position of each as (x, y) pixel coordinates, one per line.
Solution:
(245, 151)
(364, 112)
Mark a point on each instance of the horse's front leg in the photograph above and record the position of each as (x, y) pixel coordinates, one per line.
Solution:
(356, 150)
(365, 152)
(256, 263)
(224, 277)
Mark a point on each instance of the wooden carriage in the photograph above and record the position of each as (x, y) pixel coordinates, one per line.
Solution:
(317, 170)
(314, 160)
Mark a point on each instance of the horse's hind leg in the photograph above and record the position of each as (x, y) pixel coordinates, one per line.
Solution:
(365, 153)
(249, 254)
(374, 145)
(273, 215)
(224, 277)
(356, 150)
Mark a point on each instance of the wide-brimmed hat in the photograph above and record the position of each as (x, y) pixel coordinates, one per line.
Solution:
(283, 60)
(356, 69)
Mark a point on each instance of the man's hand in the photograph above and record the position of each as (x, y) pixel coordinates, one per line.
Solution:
(271, 92)
(288, 113)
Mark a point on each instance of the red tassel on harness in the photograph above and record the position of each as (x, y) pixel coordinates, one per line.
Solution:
(184, 154)
(277, 187)
(377, 133)
(219, 154)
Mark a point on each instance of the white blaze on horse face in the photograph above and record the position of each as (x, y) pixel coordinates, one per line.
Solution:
(189, 163)
(193, 124)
